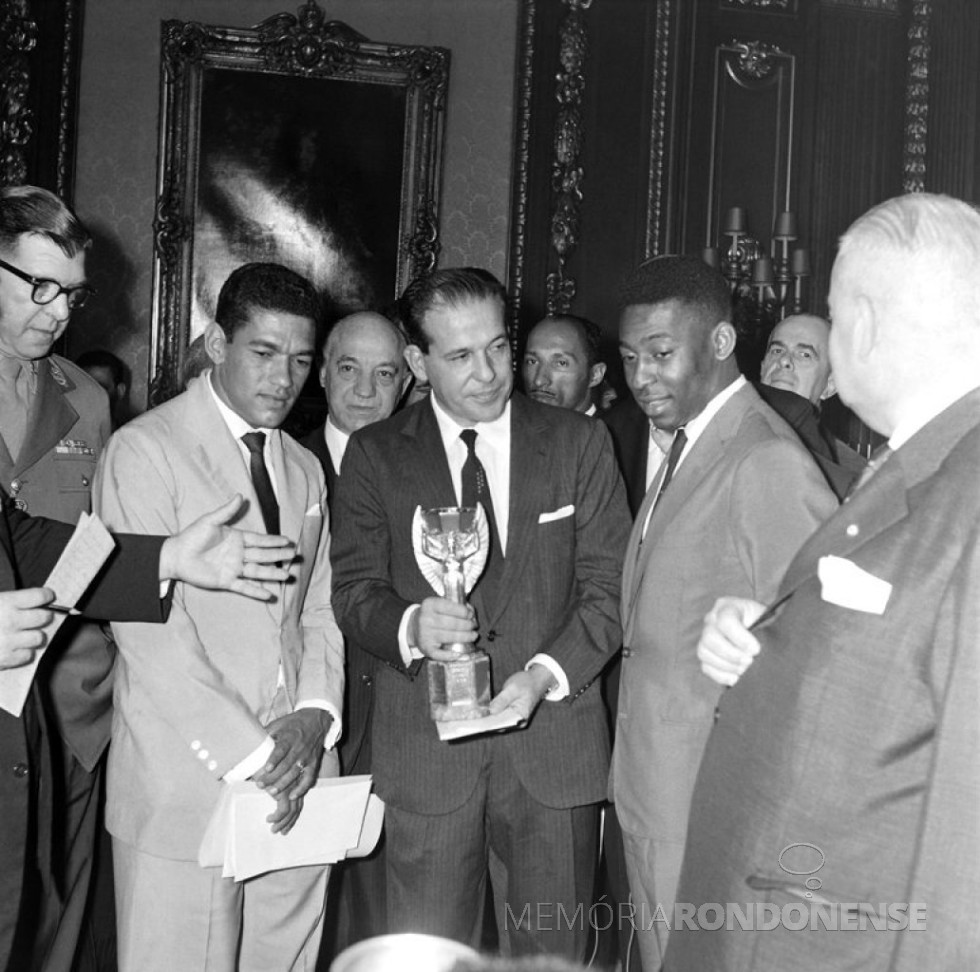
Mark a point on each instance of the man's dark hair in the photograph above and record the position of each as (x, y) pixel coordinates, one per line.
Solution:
(266, 286)
(100, 358)
(590, 332)
(30, 209)
(454, 286)
(684, 278)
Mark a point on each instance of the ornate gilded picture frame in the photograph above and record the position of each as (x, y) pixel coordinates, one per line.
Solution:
(298, 141)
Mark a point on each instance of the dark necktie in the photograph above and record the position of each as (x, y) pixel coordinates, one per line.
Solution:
(255, 443)
(673, 457)
(474, 489)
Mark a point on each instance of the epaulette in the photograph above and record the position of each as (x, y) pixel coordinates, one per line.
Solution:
(59, 375)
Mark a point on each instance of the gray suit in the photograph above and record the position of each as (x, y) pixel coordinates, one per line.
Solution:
(739, 507)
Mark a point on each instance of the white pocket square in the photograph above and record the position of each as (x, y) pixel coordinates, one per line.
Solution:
(314, 510)
(845, 584)
(556, 514)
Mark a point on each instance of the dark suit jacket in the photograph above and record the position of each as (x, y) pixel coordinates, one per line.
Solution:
(858, 733)
(558, 593)
(840, 465)
(361, 666)
(129, 589)
(630, 430)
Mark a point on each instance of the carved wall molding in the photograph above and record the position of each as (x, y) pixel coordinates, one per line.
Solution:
(883, 6)
(658, 131)
(522, 143)
(18, 37)
(779, 6)
(38, 63)
(567, 173)
(917, 99)
(755, 60)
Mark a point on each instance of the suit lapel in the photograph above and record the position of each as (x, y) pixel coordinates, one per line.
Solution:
(883, 501)
(707, 451)
(50, 419)
(427, 460)
(528, 477)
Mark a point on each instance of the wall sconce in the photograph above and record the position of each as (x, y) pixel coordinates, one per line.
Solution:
(774, 282)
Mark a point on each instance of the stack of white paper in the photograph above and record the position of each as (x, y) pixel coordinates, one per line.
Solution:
(340, 818)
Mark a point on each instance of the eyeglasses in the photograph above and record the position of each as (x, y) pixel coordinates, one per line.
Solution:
(47, 291)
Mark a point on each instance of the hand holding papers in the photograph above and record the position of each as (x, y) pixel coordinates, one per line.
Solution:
(82, 558)
(341, 818)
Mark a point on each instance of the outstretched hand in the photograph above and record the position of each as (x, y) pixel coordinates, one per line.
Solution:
(215, 556)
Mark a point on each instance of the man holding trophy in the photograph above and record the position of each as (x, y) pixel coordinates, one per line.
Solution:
(543, 510)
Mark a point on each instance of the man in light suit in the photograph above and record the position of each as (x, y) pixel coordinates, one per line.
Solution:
(225, 691)
(545, 609)
(364, 375)
(841, 779)
(207, 554)
(736, 496)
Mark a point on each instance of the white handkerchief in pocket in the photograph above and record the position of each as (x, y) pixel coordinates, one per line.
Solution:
(314, 510)
(556, 514)
(845, 584)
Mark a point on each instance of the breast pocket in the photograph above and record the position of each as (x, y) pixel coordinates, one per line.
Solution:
(74, 472)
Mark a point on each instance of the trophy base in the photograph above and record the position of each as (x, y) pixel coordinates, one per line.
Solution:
(459, 689)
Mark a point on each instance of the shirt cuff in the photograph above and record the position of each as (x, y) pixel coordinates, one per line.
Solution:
(408, 652)
(333, 733)
(252, 763)
(561, 690)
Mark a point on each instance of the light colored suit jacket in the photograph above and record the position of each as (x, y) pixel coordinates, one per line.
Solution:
(738, 508)
(192, 696)
(855, 735)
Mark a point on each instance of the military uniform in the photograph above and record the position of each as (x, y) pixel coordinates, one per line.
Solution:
(67, 428)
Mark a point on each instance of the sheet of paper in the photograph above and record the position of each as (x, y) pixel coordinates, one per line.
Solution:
(337, 818)
(374, 818)
(82, 558)
(460, 728)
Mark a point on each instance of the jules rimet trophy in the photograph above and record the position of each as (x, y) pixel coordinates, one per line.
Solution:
(451, 547)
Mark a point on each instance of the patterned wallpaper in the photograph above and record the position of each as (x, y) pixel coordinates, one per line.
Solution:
(118, 126)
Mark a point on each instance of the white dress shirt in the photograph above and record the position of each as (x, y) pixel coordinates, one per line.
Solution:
(238, 427)
(493, 450)
(336, 443)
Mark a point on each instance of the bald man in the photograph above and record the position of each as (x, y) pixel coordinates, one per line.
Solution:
(363, 375)
(798, 358)
(840, 781)
(561, 363)
(796, 379)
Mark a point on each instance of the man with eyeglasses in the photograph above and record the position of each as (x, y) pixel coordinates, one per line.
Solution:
(54, 423)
